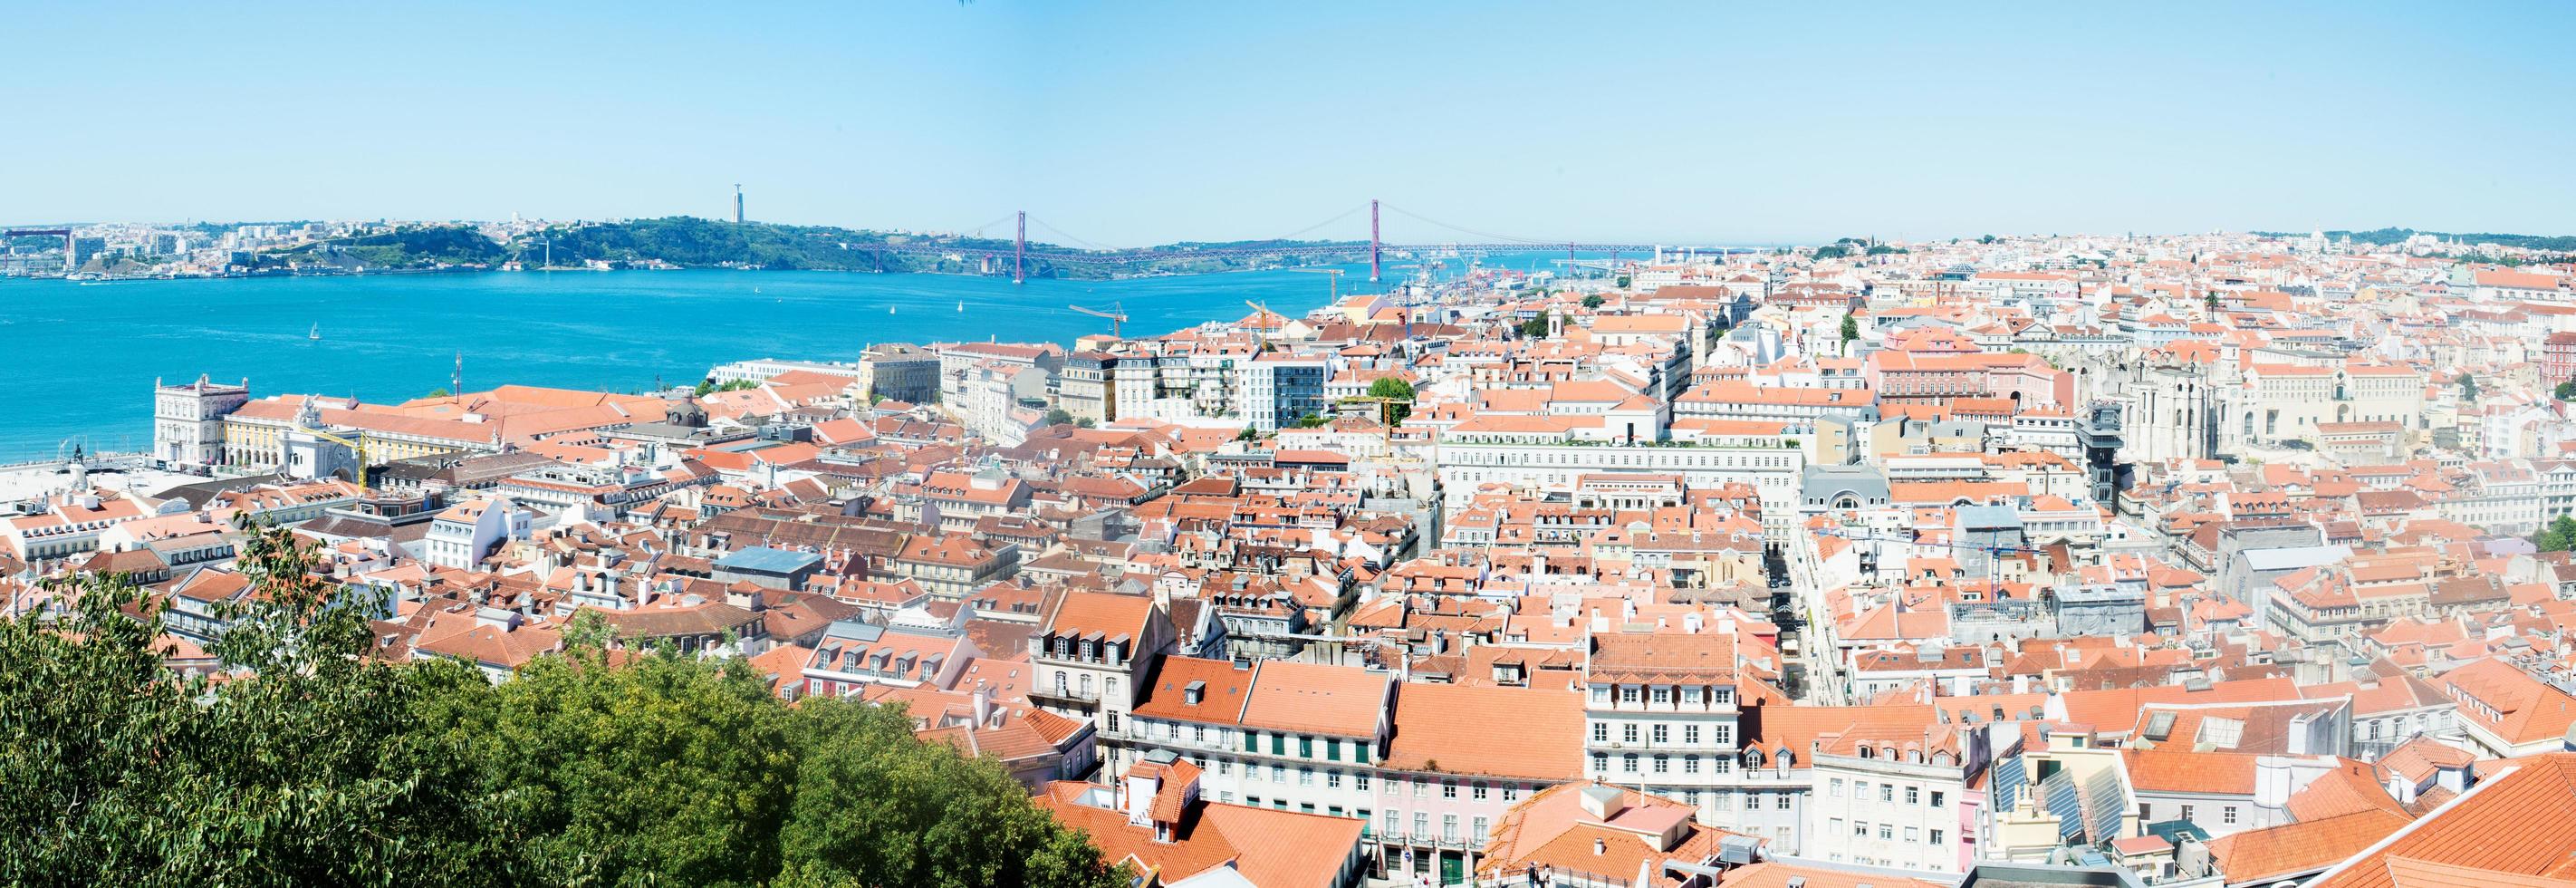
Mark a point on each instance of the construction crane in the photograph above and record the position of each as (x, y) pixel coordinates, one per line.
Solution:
(1337, 279)
(1117, 315)
(1260, 315)
(365, 453)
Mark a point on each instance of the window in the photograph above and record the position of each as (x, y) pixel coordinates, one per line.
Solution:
(1663, 734)
(1332, 780)
(1913, 796)
(1690, 694)
(1600, 693)
(1359, 752)
(1422, 823)
(1780, 801)
(1478, 836)
(1835, 788)
(1254, 801)
(1887, 792)
(1600, 762)
(1628, 732)
(1448, 789)
(1628, 763)
(1198, 733)
(1511, 792)
(1600, 732)
(1225, 766)
(1690, 764)
(1421, 789)
(1333, 750)
(1663, 695)
(1251, 741)
(1278, 744)
(1725, 734)
(1936, 798)
(1835, 825)
(1478, 792)
(2227, 814)
(1860, 830)
(1722, 696)
(1886, 832)
(1753, 802)
(2186, 812)
(1936, 838)
(1663, 763)
(1690, 735)
(1306, 747)
(1448, 827)
(1628, 694)
(1360, 781)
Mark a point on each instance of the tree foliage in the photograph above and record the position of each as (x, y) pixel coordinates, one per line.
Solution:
(313, 762)
(1394, 388)
(1535, 328)
(2468, 387)
(2559, 536)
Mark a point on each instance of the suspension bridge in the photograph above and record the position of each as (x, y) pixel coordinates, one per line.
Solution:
(1019, 255)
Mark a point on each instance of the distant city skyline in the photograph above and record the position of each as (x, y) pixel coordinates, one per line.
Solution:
(1140, 124)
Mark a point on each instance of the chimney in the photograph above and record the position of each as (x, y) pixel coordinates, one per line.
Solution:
(1599, 847)
(983, 700)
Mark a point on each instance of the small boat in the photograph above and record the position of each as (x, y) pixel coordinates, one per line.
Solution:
(315, 334)
(961, 307)
(889, 309)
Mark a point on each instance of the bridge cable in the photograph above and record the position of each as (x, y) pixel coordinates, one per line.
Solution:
(1293, 235)
(1465, 230)
(1086, 244)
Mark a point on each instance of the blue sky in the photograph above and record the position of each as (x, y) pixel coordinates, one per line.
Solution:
(1135, 123)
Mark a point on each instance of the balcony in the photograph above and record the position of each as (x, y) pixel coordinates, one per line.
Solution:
(1065, 697)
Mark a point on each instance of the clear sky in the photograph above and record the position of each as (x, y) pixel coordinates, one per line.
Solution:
(1136, 123)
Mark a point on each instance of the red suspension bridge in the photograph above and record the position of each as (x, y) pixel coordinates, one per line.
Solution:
(1019, 255)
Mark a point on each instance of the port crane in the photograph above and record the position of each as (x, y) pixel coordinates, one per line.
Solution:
(1117, 315)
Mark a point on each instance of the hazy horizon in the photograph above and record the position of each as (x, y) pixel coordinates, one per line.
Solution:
(1141, 124)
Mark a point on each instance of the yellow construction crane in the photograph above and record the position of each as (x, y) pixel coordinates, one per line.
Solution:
(1337, 279)
(359, 447)
(1117, 315)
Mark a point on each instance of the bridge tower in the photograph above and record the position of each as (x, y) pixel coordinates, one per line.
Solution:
(1373, 242)
(1020, 251)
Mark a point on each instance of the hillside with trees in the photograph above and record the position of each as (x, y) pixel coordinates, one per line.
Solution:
(312, 761)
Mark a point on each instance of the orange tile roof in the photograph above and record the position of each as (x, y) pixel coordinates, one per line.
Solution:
(1342, 700)
(2512, 825)
(1453, 728)
(2261, 855)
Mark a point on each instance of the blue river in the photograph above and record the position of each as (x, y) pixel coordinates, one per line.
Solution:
(86, 356)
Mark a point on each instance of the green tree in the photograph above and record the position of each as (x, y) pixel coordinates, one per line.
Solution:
(2566, 391)
(306, 771)
(1058, 416)
(1248, 434)
(1394, 388)
(2468, 388)
(666, 769)
(440, 392)
(2212, 301)
(1594, 300)
(1851, 331)
(873, 806)
(2559, 536)
(1832, 251)
(1535, 328)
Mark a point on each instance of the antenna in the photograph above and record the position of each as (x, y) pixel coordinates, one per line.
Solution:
(737, 203)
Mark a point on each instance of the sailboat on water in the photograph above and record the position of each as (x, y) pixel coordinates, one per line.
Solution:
(961, 306)
(314, 334)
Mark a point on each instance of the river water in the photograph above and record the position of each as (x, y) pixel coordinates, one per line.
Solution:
(84, 357)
